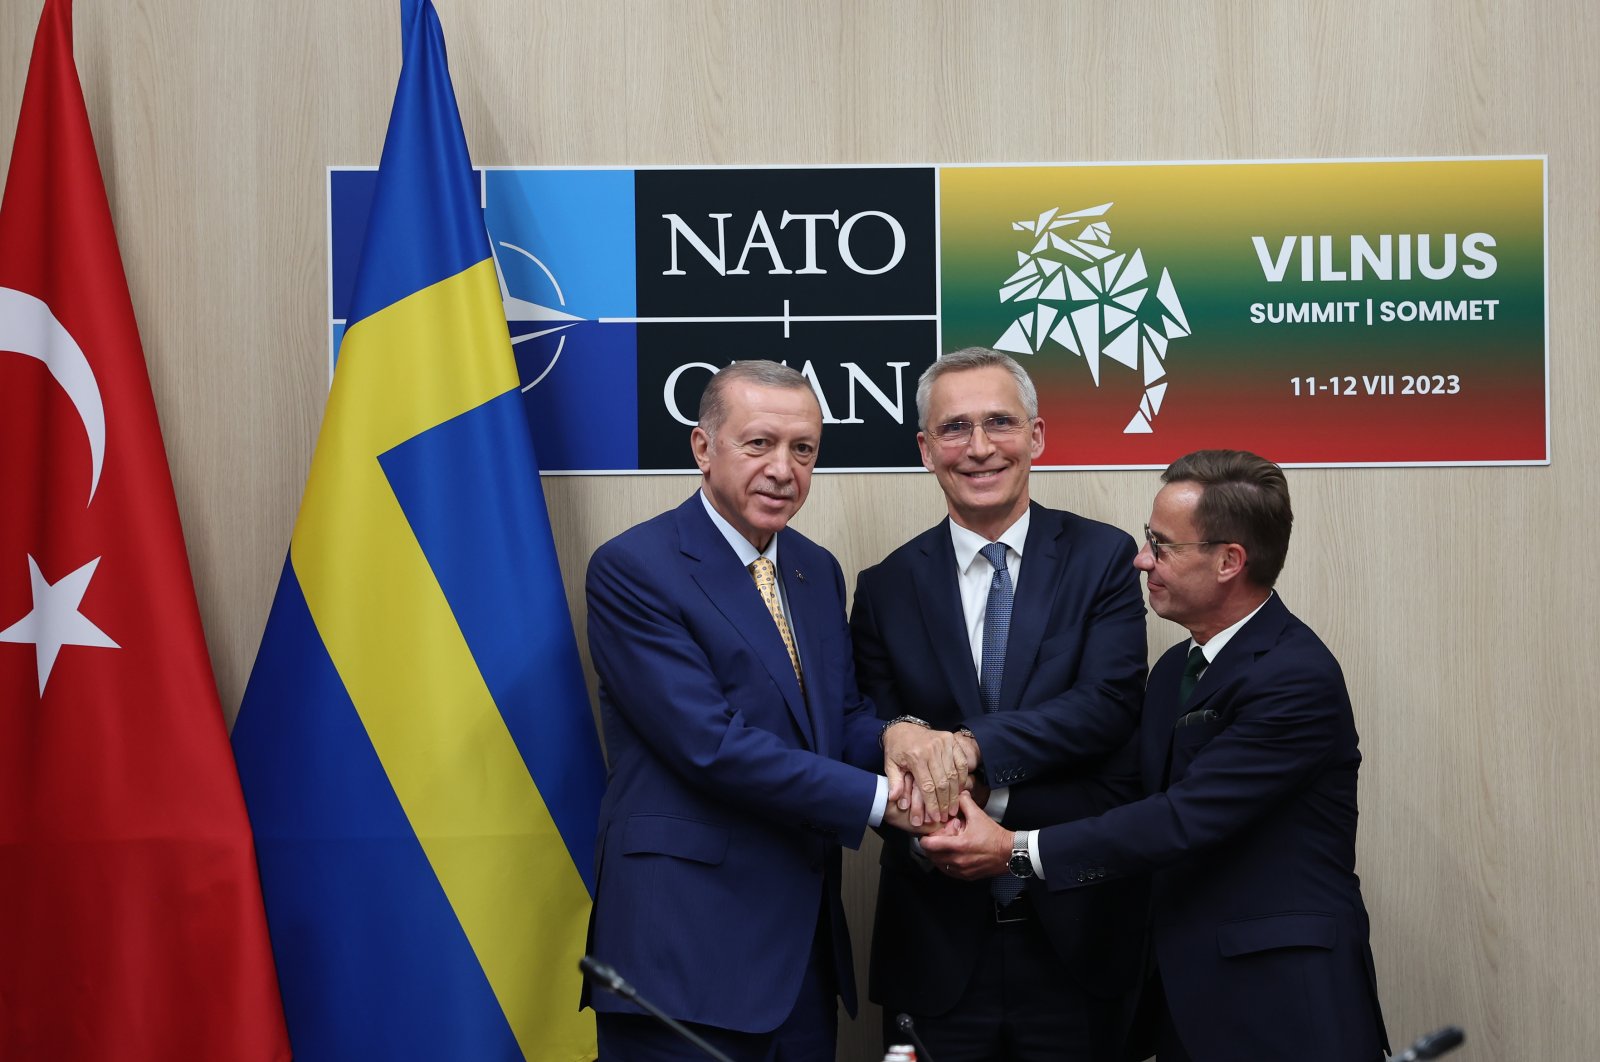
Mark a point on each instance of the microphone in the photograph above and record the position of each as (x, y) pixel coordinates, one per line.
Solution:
(612, 982)
(606, 977)
(904, 1024)
(1434, 1044)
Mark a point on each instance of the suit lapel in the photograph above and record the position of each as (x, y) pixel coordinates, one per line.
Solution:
(1254, 638)
(715, 568)
(1161, 714)
(940, 600)
(800, 585)
(1161, 706)
(1030, 604)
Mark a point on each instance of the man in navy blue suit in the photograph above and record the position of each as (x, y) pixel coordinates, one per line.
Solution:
(1009, 637)
(741, 754)
(1248, 750)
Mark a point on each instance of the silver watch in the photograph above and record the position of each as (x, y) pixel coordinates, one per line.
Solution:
(1021, 863)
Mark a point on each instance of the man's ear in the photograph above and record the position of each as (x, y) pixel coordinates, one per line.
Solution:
(700, 446)
(1232, 563)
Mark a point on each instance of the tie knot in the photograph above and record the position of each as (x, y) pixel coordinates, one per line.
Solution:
(1196, 661)
(995, 554)
(761, 568)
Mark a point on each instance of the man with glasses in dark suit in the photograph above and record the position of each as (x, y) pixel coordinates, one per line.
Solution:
(1248, 750)
(1008, 640)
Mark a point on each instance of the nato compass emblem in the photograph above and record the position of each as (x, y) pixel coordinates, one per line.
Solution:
(1083, 294)
(534, 324)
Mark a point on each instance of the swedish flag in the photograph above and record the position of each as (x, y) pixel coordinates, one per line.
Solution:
(415, 743)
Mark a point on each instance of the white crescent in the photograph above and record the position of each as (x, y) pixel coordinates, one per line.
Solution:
(28, 327)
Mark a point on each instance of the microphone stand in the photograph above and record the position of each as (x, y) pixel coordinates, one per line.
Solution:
(904, 1024)
(1432, 1045)
(611, 981)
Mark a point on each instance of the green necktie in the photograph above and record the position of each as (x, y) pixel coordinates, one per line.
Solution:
(1191, 674)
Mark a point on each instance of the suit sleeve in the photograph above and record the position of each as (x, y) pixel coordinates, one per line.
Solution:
(1094, 716)
(1066, 798)
(1290, 724)
(660, 680)
(862, 727)
(873, 670)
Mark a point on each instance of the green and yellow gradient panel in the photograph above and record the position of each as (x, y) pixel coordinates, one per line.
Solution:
(1290, 368)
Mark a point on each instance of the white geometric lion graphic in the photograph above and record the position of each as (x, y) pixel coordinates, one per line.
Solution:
(1090, 298)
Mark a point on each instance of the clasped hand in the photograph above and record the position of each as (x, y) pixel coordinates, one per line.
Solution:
(933, 793)
(927, 771)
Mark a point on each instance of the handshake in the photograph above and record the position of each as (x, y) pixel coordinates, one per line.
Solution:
(934, 793)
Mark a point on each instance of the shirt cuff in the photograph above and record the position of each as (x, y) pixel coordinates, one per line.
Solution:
(880, 804)
(1034, 856)
(998, 799)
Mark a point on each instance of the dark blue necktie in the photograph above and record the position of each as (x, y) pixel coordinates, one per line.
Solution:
(996, 628)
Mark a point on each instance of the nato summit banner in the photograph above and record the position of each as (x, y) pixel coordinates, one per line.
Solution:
(1322, 313)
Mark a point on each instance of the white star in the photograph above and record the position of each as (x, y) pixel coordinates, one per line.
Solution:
(55, 620)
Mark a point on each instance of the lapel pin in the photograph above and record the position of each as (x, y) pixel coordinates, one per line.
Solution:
(800, 575)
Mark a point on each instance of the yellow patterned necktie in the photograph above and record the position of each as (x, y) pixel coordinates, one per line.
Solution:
(767, 583)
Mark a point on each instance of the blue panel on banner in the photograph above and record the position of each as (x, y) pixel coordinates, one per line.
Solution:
(350, 195)
(564, 240)
(575, 231)
(588, 418)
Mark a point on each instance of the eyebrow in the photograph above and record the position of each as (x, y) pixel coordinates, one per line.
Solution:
(976, 417)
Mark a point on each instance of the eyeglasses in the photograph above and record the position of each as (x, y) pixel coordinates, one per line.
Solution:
(959, 432)
(1159, 549)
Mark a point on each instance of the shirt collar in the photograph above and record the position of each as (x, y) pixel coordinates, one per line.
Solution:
(1221, 638)
(747, 553)
(968, 543)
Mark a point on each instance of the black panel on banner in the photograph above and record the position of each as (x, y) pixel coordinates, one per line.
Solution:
(784, 264)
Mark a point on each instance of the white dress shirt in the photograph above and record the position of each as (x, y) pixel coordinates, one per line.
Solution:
(973, 576)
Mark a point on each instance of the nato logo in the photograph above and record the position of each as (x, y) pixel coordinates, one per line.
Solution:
(626, 290)
(563, 243)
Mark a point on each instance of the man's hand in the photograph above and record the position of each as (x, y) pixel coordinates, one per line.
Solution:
(972, 847)
(940, 765)
(901, 818)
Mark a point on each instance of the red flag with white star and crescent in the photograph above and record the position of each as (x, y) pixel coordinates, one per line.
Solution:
(131, 922)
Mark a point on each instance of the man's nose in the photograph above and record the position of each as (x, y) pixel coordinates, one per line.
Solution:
(980, 445)
(781, 465)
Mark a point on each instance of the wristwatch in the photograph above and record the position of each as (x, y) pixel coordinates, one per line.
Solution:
(884, 729)
(1021, 863)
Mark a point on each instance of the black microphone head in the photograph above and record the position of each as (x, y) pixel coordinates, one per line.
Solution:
(603, 975)
(903, 1023)
(1439, 1042)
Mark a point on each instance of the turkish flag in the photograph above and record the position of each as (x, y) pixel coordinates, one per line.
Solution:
(131, 922)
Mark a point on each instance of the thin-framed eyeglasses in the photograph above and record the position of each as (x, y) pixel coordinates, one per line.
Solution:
(1159, 549)
(959, 432)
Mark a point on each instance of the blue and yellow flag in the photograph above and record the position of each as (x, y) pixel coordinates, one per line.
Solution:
(416, 746)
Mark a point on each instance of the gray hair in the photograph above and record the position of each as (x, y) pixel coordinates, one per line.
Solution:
(975, 358)
(762, 373)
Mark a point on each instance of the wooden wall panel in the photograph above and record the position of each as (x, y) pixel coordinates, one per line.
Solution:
(1458, 599)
